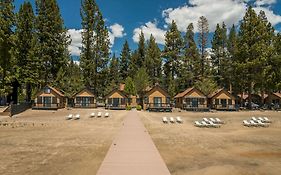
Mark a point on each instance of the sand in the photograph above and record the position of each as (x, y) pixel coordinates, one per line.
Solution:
(231, 149)
(43, 142)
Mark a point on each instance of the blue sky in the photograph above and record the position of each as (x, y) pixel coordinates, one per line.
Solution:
(126, 18)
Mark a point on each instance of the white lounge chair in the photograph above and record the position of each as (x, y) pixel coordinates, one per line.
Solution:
(261, 119)
(219, 121)
(254, 118)
(179, 120)
(69, 117)
(172, 120)
(106, 115)
(99, 114)
(263, 124)
(267, 120)
(76, 117)
(92, 115)
(165, 120)
(253, 123)
(206, 124)
(214, 125)
(198, 124)
(246, 123)
(213, 120)
(206, 120)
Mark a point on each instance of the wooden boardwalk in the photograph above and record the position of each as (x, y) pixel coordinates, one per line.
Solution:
(133, 152)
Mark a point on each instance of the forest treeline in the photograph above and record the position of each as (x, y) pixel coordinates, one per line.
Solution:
(34, 53)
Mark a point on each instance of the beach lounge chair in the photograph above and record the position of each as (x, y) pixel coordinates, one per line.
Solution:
(205, 124)
(172, 120)
(255, 119)
(263, 124)
(179, 120)
(213, 120)
(214, 125)
(106, 115)
(165, 120)
(76, 117)
(219, 121)
(266, 120)
(92, 115)
(69, 117)
(253, 123)
(99, 114)
(246, 123)
(206, 120)
(261, 119)
(198, 124)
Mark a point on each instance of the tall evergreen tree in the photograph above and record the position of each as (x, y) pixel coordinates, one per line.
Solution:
(7, 21)
(52, 44)
(130, 87)
(28, 64)
(172, 54)
(141, 51)
(133, 67)
(203, 29)
(125, 60)
(191, 59)
(114, 75)
(153, 61)
(141, 81)
(95, 47)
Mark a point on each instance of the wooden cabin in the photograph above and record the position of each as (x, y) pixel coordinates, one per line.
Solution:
(191, 99)
(84, 99)
(49, 98)
(273, 100)
(157, 99)
(256, 98)
(221, 100)
(117, 99)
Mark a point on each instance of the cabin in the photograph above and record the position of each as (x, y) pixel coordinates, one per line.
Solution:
(84, 99)
(157, 99)
(256, 99)
(191, 99)
(117, 99)
(222, 100)
(274, 100)
(49, 98)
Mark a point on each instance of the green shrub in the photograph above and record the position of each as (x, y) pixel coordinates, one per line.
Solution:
(138, 107)
(128, 108)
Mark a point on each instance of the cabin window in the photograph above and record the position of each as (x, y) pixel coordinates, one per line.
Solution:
(47, 90)
(229, 102)
(157, 101)
(217, 101)
(201, 101)
(168, 100)
(194, 102)
(223, 102)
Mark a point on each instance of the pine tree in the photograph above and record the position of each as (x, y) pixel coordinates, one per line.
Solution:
(191, 60)
(153, 61)
(203, 29)
(130, 87)
(52, 45)
(28, 64)
(142, 81)
(114, 73)
(172, 55)
(133, 67)
(95, 47)
(125, 60)
(253, 53)
(7, 21)
(141, 51)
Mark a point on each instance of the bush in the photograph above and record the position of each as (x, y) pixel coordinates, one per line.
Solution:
(128, 108)
(138, 107)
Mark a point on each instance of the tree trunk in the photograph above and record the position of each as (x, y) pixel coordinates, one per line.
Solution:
(250, 96)
(28, 92)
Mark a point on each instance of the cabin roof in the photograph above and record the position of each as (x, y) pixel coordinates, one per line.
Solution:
(57, 91)
(149, 90)
(84, 89)
(211, 95)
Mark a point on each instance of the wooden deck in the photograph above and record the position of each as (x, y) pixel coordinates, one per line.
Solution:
(162, 107)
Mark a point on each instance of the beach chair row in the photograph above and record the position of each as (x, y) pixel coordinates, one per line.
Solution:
(167, 120)
(92, 115)
(257, 122)
(209, 123)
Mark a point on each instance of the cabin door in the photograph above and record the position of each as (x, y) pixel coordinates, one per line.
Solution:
(115, 102)
(47, 101)
(157, 101)
(85, 101)
(223, 103)
(194, 102)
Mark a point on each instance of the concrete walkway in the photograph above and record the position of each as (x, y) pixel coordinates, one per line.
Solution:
(133, 152)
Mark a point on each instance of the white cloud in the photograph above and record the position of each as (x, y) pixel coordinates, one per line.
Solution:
(216, 11)
(76, 42)
(264, 2)
(148, 29)
(116, 31)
